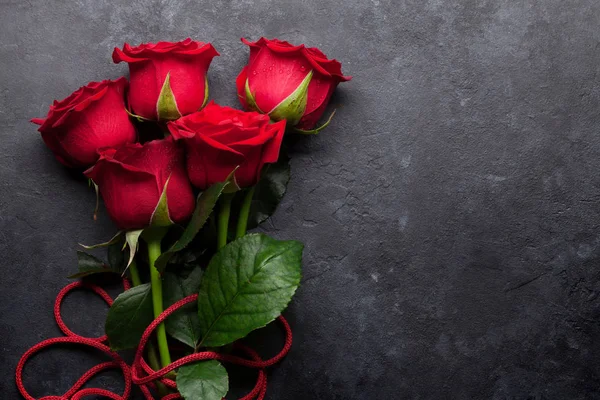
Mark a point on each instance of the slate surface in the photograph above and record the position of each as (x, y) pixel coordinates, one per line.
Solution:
(450, 212)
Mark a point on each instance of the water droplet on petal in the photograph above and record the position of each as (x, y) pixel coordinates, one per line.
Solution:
(253, 72)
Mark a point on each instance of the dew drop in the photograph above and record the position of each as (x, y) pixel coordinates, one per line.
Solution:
(302, 68)
(253, 72)
(281, 71)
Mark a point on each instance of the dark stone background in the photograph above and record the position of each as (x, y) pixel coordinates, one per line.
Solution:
(450, 212)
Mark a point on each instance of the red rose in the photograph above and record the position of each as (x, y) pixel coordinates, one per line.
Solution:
(218, 139)
(278, 81)
(131, 180)
(89, 119)
(168, 80)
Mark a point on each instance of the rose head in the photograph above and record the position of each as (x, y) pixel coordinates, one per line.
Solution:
(131, 181)
(168, 80)
(288, 82)
(91, 118)
(218, 139)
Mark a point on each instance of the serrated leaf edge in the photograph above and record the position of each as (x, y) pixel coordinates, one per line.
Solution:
(239, 290)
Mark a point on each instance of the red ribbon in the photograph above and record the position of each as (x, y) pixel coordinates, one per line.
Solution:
(140, 373)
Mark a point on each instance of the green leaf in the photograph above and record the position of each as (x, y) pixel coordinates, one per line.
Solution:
(113, 240)
(166, 106)
(269, 191)
(292, 107)
(89, 265)
(315, 131)
(183, 325)
(160, 215)
(132, 238)
(204, 380)
(204, 206)
(247, 284)
(129, 316)
(116, 257)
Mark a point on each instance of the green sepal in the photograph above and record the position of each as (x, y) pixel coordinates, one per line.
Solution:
(233, 186)
(292, 108)
(91, 183)
(166, 106)
(205, 93)
(250, 99)
(206, 380)
(132, 238)
(113, 240)
(204, 207)
(160, 215)
(138, 117)
(316, 130)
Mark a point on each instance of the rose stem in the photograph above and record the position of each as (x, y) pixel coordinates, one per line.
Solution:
(135, 275)
(244, 213)
(157, 296)
(152, 357)
(223, 221)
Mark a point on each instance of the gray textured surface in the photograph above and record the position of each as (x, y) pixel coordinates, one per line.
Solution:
(450, 212)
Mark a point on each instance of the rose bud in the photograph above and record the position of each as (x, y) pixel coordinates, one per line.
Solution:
(219, 139)
(167, 79)
(132, 179)
(93, 117)
(288, 82)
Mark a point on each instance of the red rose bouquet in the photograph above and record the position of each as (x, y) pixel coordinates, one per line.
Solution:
(196, 283)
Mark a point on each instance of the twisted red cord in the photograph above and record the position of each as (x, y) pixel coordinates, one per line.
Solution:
(140, 373)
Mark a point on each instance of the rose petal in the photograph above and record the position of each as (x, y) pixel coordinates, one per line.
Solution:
(272, 77)
(91, 118)
(186, 62)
